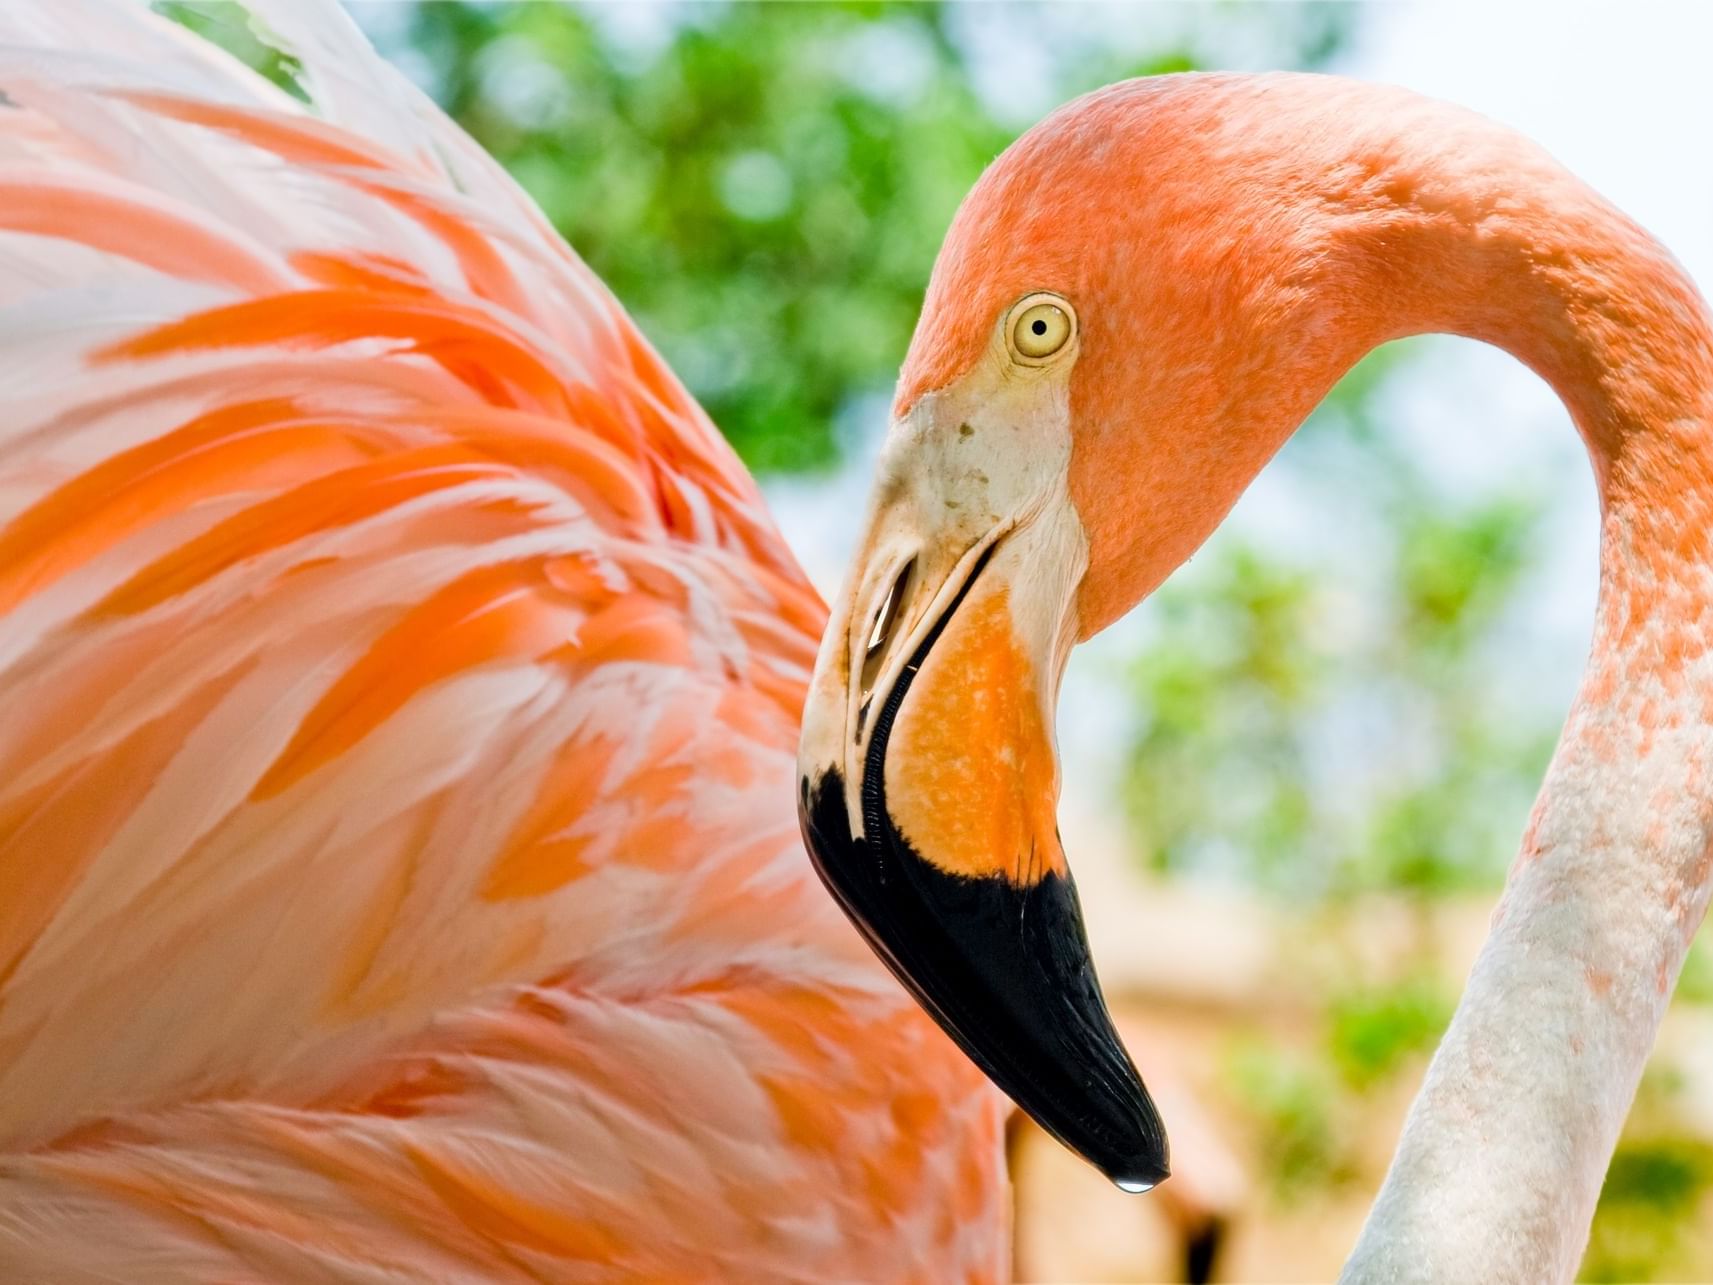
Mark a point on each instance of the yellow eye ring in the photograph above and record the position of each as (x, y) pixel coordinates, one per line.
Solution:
(1040, 327)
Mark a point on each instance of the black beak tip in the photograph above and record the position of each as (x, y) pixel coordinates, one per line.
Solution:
(1115, 1127)
(1006, 973)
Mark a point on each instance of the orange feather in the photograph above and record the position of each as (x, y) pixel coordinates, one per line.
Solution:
(401, 677)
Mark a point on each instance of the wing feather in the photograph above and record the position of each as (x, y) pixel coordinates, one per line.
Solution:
(400, 676)
(253, 623)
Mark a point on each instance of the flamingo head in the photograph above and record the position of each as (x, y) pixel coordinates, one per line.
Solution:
(1120, 329)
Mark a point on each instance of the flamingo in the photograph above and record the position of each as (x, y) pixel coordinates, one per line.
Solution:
(400, 679)
(1134, 307)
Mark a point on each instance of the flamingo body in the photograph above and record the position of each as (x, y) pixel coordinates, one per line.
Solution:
(400, 677)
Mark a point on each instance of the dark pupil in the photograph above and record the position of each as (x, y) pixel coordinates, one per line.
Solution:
(1039, 326)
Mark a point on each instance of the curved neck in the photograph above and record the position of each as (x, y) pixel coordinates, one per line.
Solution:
(1506, 1147)
(1509, 248)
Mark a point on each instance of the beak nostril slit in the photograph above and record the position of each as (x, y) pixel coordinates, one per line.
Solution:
(888, 615)
(885, 622)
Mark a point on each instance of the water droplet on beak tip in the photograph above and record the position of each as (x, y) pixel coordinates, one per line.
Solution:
(1135, 1186)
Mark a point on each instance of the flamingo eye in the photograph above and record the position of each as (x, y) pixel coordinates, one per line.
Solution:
(1040, 328)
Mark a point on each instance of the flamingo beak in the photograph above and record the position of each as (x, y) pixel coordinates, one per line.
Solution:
(928, 782)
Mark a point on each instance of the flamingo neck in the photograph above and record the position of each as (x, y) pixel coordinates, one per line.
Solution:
(1505, 1149)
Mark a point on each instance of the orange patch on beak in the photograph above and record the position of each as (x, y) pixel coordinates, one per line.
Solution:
(971, 777)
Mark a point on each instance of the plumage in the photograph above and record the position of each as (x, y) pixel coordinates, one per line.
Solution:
(400, 678)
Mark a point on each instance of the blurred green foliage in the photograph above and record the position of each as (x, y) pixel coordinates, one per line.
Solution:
(1264, 661)
(225, 24)
(1695, 982)
(1652, 1188)
(1224, 773)
(1304, 1098)
(1373, 1029)
(1291, 1102)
